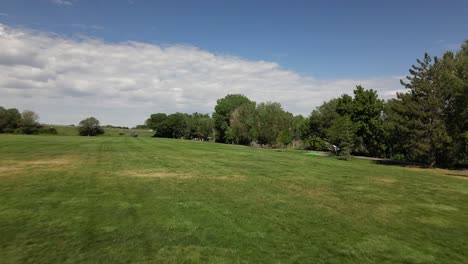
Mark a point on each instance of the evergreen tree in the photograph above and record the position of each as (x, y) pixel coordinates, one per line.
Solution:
(343, 134)
(419, 116)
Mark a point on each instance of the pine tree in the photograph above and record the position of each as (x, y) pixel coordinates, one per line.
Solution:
(420, 120)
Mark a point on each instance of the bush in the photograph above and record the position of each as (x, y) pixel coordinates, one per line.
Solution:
(399, 157)
(345, 153)
(28, 130)
(90, 127)
(313, 142)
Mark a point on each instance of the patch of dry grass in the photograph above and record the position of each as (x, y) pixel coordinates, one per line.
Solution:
(19, 167)
(385, 180)
(164, 174)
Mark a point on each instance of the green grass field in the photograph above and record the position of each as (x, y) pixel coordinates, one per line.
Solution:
(68, 199)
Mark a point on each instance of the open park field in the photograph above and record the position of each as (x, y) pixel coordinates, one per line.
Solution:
(70, 199)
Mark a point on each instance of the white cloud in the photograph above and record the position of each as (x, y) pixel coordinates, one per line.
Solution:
(67, 79)
(61, 2)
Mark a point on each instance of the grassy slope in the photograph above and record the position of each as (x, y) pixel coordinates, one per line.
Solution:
(122, 199)
(73, 131)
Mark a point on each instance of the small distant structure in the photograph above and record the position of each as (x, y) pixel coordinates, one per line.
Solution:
(336, 149)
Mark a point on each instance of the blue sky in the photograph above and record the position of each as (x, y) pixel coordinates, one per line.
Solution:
(122, 60)
(324, 39)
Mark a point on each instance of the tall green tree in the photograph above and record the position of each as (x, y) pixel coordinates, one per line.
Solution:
(322, 118)
(177, 125)
(9, 120)
(158, 122)
(418, 116)
(199, 126)
(366, 115)
(299, 128)
(320, 121)
(243, 124)
(451, 78)
(343, 134)
(223, 111)
(29, 123)
(364, 111)
(272, 120)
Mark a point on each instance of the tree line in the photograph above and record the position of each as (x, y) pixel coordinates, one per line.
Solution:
(427, 123)
(26, 122)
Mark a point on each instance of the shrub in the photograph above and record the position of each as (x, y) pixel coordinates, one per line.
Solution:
(90, 127)
(345, 153)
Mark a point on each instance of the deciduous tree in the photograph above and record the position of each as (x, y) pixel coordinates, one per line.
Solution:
(223, 110)
(90, 127)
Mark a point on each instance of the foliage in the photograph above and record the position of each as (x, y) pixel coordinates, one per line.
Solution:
(180, 125)
(157, 122)
(141, 127)
(322, 119)
(28, 123)
(428, 122)
(343, 134)
(9, 120)
(360, 115)
(200, 126)
(299, 127)
(90, 127)
(176, 125)
(366, 115)
(243, 124)
(222, 115)
(272, 121)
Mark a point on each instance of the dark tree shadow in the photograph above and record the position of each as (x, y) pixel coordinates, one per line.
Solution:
(400, 163)
(461, 172)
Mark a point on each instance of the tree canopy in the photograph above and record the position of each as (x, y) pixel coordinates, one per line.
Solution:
(222, 115)
(90, 127)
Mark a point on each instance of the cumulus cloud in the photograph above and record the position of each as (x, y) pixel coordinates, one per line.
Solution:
(67, 79)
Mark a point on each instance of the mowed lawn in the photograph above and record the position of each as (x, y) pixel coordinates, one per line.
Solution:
(66, 199)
